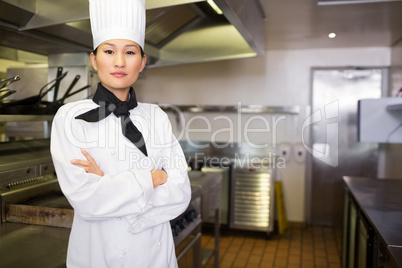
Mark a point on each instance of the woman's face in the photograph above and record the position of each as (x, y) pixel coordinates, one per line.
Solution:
(118, 63)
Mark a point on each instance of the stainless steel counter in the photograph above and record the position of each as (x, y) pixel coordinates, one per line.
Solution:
(35, 246)
(381, 203)
(210, 184)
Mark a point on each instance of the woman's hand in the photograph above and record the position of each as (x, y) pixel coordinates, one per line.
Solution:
(88, 165)
(159, 177)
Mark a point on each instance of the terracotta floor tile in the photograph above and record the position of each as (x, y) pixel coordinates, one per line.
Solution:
(280, 262)
(301, 247)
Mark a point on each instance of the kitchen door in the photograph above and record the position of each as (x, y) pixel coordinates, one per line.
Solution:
(332, 138)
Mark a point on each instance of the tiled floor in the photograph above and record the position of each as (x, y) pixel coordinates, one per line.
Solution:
(301, 247)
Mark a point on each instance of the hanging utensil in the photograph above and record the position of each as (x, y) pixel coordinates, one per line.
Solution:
(57, 83)
(33, 104)
(75, 80)
(34, 100)
(8, 81)
(52, 107)
(73, 93)
(8, 93)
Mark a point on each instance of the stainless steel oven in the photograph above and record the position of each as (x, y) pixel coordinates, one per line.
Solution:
(36, 218)
(186, 230)
(31, 214)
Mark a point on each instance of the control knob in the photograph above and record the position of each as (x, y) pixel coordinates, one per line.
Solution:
(175, 230)
(191, 215)
(182, 223)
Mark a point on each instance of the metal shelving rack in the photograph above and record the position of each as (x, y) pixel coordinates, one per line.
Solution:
(5, 118)
(244, 109)
(24, 118)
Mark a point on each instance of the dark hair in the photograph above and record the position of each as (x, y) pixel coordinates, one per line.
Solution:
(142, 52)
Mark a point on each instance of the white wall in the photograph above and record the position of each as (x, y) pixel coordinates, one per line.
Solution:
(397, 54)
(280, 78)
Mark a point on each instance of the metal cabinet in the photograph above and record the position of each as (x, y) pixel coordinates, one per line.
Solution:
(361, 245)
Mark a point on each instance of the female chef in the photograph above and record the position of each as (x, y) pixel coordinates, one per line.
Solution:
(116, 159)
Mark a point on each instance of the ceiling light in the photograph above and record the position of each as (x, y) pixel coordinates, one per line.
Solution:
(332, 35)
(215, 7)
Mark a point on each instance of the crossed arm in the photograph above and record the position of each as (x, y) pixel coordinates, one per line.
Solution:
(159, 177)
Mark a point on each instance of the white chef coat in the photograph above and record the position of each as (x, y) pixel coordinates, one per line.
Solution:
(120, 220)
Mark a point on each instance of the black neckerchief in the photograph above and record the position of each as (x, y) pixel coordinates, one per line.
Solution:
(109, 103)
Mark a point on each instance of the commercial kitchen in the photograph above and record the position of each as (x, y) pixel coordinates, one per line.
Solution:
(288, 113)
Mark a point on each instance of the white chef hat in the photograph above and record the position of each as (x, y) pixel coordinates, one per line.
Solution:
(117, 19)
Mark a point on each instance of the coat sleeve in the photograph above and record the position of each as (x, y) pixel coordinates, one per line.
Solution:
(172, 198)
(93, 197)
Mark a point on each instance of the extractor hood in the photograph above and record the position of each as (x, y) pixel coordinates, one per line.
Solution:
(177, 31)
